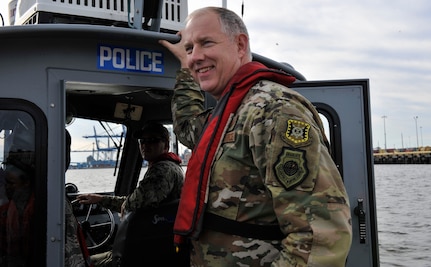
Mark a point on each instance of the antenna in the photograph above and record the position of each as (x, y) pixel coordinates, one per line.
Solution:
(242, 9)
(224, 5)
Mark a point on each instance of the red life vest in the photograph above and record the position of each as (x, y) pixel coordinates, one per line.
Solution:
(189, 217)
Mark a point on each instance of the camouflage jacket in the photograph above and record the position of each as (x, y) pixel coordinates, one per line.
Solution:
(162, 182)
(73, 256)
(272, 167)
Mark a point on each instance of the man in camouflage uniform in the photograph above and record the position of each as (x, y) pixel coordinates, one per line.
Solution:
(269, 193)
(162, 181)
(75, 249)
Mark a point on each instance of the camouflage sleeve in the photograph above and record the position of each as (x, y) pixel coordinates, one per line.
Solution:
(308, 193)
(112, 202)
(188, 111)
(72, 249)
(156, 186)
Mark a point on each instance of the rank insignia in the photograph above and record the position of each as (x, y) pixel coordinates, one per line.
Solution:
(297, 132)
(291, 168)
(229, 137)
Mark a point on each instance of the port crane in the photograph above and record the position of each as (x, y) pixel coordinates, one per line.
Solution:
(109, 150)
(104, 155)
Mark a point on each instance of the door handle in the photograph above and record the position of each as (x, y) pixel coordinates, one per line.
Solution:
(359, 211)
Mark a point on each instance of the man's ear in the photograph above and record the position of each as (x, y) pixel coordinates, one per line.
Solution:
(242, 42)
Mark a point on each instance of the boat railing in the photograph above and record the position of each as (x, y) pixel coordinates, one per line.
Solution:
(123, 12)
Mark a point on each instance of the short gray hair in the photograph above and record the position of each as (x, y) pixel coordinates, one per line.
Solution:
(231, 23)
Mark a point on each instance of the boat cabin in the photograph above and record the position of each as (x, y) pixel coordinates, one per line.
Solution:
(83, 65)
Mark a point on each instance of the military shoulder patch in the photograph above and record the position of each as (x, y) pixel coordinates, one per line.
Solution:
(297, 133)
(291, 168)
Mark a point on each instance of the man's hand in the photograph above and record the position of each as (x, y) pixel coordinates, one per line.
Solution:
(177, 50)
(89, 198)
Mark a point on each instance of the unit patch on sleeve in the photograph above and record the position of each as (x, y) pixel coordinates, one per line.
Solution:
(291, 168)
(297, 133)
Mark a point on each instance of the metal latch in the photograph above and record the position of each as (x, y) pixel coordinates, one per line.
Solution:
(359, 211)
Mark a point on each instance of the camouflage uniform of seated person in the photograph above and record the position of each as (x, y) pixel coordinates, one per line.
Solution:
(162, 181)
(76, 253)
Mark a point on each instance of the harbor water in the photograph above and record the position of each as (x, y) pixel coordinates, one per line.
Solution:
(403, 199)
(403, 196)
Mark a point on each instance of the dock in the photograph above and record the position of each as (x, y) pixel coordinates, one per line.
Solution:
(403, 156)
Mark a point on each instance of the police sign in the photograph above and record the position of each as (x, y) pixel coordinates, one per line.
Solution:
(129, 59)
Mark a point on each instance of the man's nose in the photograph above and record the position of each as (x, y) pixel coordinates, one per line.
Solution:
(197, 54)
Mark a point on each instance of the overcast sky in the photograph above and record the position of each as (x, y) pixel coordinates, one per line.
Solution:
(387, 42)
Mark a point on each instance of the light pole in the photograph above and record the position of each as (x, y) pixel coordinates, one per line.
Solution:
(422, 138)
(384, 127)
(417, 136)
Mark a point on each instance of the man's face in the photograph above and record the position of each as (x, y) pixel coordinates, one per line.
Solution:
(211, 56)
(151, 147)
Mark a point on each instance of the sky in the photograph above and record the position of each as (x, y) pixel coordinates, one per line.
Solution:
(385, 41)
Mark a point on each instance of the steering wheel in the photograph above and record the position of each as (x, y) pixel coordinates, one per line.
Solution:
(97, 223)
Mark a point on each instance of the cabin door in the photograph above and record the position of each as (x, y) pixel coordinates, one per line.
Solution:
(345, 110)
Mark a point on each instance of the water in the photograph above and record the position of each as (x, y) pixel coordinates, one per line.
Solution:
(403, 196)
(403, 210)
(92, 180)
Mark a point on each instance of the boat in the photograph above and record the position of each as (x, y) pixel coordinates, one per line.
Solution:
(101, 61)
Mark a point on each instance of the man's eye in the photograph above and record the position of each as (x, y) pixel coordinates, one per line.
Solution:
(189, 50)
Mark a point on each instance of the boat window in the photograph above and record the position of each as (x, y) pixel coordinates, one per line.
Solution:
(95, 154)
(18, 188)
(331, 125)
(175, 146)
(326, 126)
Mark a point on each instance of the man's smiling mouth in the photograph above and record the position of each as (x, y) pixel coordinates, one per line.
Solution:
(203, 70)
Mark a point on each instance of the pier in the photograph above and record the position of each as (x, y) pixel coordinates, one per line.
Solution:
(403, 156)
